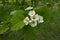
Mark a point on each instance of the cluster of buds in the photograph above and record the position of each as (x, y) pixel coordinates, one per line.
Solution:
(33, 18)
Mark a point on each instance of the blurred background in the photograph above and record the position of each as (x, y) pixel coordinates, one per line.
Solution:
(10, 24)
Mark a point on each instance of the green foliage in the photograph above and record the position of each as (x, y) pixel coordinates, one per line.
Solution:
(17, 20)
(27, 33)
(18, 26)
(44, 11)
(3, 29)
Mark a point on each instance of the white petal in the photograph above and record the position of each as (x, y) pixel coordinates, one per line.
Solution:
(40, 19)
(26, 21)
(33, 24)
(28, 8)
(13, 12)
(30, 21)
(36, 16)
(31, 13)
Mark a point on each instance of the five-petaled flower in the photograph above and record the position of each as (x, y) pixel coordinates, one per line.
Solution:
(33, 23)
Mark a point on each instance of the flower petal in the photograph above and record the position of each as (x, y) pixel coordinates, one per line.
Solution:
(31, 13)
(33, 23)
(28, 8)
(26, 21)
(40, 19)
(13, 12)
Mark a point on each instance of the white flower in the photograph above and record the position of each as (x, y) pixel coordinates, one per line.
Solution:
(26, 21)
(28, 8)
(33, 23)
(31, 13)
(13, 12)
(35, 17)
(40, 20)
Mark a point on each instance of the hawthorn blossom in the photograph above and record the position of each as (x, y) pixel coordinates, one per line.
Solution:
(31, 13)
(33, 23)
(26, 21)
(37, 18)
(33, 18)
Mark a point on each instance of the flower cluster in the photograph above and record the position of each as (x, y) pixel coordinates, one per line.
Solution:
(33, 19)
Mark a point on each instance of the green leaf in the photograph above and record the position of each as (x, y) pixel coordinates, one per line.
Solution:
(17, 26)
(17, 20)
(45, 12)
(3, 29)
